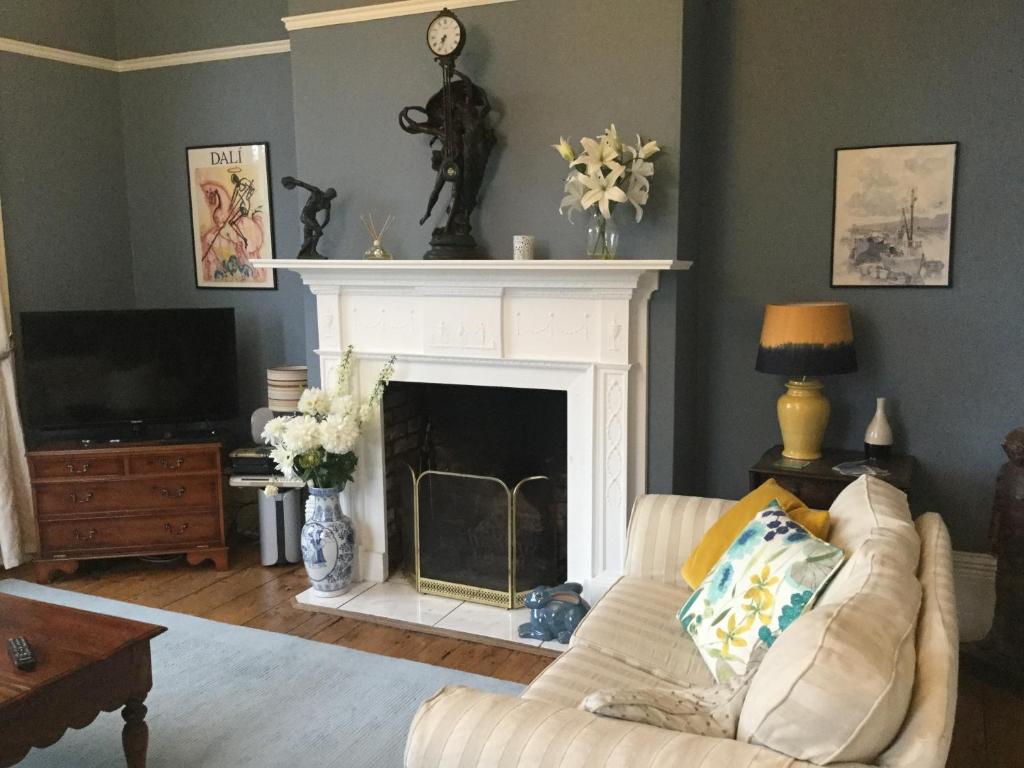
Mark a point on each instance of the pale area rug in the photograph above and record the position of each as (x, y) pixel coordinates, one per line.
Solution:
(226, 696)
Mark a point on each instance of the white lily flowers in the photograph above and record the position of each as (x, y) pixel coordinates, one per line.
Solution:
(574, 191)
(597, 153)
(607, 172)
(565, 150)
(602, 190)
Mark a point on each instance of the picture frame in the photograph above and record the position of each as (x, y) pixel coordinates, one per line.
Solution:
(893, 212)
(231, 212)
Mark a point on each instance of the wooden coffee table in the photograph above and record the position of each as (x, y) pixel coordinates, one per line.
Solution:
(86, 663)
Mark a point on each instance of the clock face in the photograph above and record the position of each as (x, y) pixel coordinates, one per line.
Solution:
(444, 35)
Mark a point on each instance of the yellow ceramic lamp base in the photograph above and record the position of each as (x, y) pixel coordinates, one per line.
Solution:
(803, 416)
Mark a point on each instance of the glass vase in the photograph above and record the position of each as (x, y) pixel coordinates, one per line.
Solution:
(602, 236)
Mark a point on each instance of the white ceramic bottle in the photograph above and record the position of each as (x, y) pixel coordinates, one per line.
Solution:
(878, 437)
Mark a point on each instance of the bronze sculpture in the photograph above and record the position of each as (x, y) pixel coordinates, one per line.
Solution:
(312, 228)
(466, 142)
(456, 119)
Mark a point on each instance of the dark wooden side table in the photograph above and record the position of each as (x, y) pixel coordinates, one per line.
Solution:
(817, 484)
(86, 663)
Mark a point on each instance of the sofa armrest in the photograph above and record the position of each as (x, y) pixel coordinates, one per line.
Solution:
(664, 530)
(465, 728)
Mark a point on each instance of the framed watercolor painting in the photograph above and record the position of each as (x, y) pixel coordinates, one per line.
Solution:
(232, 221)
(892, 222)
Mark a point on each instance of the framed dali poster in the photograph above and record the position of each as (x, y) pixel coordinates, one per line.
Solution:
(232, 222)
(892, 223)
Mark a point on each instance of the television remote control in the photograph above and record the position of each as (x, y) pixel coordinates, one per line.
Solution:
(21, 653)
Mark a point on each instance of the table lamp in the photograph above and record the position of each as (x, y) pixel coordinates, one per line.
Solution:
(803, 341)
(285, 385)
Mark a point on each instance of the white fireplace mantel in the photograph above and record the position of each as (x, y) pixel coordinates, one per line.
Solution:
(574, 325)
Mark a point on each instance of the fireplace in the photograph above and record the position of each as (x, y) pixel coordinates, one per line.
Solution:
(476, 489)
(574, 328)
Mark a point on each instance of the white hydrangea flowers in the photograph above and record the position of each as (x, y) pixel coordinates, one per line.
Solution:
(318, 444)
(314, 402)
(338, 433)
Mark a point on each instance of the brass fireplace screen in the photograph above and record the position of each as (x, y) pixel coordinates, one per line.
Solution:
(480, 539)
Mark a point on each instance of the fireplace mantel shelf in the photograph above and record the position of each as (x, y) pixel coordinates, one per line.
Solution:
(477, 277)
(482, 266)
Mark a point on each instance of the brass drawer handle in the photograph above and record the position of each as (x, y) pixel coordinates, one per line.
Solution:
(77, 534)
(167, 493)
(176, 530)
(176, 464)
(72, 471)
(80, 498)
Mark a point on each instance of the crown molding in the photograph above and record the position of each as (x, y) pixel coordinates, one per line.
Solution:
(379, 11)
(207, 54)
(10, 45)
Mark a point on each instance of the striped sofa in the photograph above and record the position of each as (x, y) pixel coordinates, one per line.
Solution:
(632, 639)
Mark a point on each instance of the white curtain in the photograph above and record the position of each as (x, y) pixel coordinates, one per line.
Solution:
(18, 536)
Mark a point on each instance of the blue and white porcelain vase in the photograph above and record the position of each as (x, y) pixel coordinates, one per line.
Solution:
(328, 543)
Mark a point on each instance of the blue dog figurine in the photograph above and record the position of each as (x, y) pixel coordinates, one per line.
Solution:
(555, 612)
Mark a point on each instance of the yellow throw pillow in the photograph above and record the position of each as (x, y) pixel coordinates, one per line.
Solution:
(718, 538)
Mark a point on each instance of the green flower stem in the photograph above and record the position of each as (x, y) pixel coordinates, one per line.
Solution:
(601, 249)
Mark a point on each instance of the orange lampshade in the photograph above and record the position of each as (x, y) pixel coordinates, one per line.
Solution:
(810, 339)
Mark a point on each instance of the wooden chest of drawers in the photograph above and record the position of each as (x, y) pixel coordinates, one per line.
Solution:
(128, 500)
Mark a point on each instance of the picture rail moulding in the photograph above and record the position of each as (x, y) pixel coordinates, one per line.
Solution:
(385, 10)
(378, 11)
(10, 45)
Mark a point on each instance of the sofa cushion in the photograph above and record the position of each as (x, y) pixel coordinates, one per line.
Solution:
(708, 711)
(725, 530)
(928, 727)
(663, 531)
(582, 671)
(766, 579)
(635, 622)
(836, 685)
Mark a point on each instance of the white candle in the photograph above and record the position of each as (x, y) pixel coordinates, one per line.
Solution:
(522, 247)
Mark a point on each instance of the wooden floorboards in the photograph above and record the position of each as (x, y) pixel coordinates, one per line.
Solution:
(254, 596)
(989, 729)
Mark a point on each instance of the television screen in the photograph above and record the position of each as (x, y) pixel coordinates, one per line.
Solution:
(154, 365)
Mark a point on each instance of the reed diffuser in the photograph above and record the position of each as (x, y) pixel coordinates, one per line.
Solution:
(376, 251)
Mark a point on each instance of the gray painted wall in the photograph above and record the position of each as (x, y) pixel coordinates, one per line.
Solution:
(787, 84)
(84, 26)
(62, 186)
(771, 90)
(544, 79)
(153, 27)
(107, 153)
(350, 82)
(167, 110)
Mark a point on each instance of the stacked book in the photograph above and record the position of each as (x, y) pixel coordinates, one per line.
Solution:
(252, 460)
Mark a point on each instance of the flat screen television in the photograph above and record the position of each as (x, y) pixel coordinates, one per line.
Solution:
(127, 367)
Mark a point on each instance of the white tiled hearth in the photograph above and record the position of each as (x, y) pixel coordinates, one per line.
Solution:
(396, 600)
(578, 326)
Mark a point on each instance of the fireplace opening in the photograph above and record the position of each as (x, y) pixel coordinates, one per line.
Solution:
(476, 488)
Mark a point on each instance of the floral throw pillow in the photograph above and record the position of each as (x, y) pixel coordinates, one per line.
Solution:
(766, 579)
